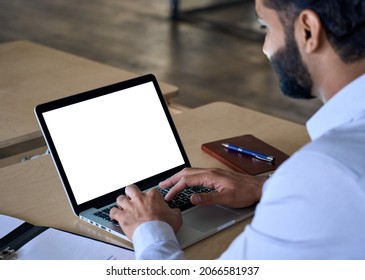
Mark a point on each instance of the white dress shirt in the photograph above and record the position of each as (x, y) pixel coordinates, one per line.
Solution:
(313, 207)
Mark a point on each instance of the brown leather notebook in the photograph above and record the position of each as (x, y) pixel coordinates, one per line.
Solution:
(245, 163)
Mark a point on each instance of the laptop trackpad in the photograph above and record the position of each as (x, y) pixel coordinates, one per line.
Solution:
(206, 218)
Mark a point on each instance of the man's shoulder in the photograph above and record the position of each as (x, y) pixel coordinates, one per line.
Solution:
(343, 146)
(337, 154)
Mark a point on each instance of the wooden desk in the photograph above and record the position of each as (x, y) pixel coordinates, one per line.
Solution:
(33, 192)
(31, 74)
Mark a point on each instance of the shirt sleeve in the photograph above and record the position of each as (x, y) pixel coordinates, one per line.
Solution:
(156, 240)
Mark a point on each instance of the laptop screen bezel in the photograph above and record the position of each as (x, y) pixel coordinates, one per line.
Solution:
(73, 99)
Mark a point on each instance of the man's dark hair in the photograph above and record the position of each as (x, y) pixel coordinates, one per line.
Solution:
(344, 22)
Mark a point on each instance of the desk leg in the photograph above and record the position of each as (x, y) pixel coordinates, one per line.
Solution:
(174, 6)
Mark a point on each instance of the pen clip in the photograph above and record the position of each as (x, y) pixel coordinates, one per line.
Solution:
(268, 158)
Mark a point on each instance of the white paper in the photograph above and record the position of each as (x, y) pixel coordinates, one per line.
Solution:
(58, 245)
(55, 244)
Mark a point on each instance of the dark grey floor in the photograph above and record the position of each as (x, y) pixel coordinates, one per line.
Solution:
(207, 64)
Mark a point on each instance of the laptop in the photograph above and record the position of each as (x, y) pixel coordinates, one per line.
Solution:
(108, 138)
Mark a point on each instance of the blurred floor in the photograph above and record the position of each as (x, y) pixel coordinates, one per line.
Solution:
(207, 64)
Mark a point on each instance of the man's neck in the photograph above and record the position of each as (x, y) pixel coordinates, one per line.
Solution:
(337, 76)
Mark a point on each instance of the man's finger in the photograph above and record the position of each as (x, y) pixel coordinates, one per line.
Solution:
(121, 200)
(114, 213)
(177, 211)
(172, 180)
(177, 177)
(191, 180)
(155, 192)
(180, 186)
(209, 198)
(132, 191)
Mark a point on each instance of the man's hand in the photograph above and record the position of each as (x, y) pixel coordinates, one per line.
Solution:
(137, 207)
(232, 189)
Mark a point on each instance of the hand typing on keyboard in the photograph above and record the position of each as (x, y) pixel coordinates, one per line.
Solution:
(231, 189)
(136, 208)
(182, 199)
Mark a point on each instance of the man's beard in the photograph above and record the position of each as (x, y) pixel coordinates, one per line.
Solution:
(294, 78)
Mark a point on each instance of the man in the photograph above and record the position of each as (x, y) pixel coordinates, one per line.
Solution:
(313, 207)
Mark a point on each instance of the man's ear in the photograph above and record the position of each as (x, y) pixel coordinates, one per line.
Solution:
(309, 31)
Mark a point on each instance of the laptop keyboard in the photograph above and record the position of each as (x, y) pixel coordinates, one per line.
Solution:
(181, 201)
(104, 214)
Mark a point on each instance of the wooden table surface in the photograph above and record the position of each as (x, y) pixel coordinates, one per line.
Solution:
(31, 74)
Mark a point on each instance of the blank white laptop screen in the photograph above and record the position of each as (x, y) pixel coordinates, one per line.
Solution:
(114, 140)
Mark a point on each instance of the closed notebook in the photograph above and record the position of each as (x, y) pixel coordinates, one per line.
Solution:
(245, 163)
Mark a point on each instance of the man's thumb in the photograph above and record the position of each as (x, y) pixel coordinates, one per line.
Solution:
(205, 198)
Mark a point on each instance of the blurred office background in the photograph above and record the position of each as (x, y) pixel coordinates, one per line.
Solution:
(211, 54)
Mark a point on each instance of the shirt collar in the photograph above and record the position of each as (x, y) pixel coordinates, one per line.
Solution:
(341, 108)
